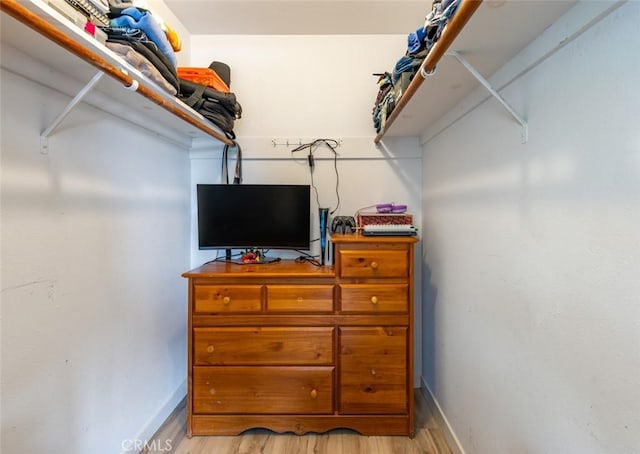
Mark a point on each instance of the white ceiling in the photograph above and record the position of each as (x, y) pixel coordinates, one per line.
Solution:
(326, 17)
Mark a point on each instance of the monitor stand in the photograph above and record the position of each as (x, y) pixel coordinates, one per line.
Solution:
(264, 260)
(251, 257)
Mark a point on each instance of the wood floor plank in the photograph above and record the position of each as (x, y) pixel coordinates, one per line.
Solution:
(429, 439)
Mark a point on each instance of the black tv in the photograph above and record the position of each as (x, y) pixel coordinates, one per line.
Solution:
(261, 216)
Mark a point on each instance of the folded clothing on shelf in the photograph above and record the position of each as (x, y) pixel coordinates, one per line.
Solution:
(143, 65)
(139, 41)
(143, 20)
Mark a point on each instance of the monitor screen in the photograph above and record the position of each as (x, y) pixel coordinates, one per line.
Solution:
(253, 216)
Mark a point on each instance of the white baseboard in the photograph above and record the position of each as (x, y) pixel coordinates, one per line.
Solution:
(452, 439)
(154, 423)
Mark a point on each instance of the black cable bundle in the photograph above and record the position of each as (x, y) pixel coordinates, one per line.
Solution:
(312, 147)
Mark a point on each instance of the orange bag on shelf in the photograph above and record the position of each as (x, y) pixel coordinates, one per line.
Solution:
(204, 76)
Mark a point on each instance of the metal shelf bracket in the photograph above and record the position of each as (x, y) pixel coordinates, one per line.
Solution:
(44, 135)
(485, 83)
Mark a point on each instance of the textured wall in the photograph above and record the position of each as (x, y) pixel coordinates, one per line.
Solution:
(94, 238)
(532, 252)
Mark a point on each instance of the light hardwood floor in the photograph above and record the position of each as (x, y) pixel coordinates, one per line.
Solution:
(429, 438)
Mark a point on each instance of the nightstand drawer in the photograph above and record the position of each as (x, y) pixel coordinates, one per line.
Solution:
(263, 390)
(299, 298)
(374, 297)
(227, 298)
(263, 346)
(374, 263)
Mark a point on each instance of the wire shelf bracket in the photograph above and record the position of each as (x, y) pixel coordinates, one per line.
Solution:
(485, 83)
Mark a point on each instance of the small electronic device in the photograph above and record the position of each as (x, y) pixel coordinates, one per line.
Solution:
(323, 215)
(343, 224)
(389, 230)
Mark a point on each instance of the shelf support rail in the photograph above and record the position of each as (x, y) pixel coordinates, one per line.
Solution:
(485, 83)
(44, 135)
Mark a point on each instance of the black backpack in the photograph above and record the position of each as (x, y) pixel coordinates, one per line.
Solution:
(222, 109)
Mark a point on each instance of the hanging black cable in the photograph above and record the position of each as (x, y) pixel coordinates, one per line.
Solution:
(312, 147)
(237, 177)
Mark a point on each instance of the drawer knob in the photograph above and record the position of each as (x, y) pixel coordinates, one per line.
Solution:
(314, 394)
(373, 371)
(210, 349)
(374, 300)
(226, 300)
(300, 299)
(374, 265)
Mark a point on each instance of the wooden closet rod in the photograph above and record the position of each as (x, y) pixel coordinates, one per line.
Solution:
(22, 14)
(450, 33)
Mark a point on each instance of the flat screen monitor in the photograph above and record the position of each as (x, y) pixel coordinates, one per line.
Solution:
(267, 216)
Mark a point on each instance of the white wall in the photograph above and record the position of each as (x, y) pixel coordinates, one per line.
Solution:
(94, 238)
(364, 177)
(301, 88)
(532, 252)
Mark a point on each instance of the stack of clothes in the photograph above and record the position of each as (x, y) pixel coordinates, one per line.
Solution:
(419, 44)
(144, 41)
(148, 44)
(385, 100)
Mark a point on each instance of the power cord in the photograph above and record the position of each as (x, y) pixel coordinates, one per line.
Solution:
(308, 258)
(312, 147)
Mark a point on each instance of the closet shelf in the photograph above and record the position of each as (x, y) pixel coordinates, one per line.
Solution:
(155, 110)
(466, 9)
(478, 40)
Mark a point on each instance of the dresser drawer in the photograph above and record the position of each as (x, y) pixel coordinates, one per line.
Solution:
(227, 298)
(262, 390)
(374, 263)
(374, 297)
(373, 370)
(263, 346)
(299, 298)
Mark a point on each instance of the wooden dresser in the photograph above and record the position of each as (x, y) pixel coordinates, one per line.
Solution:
(293, 347)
